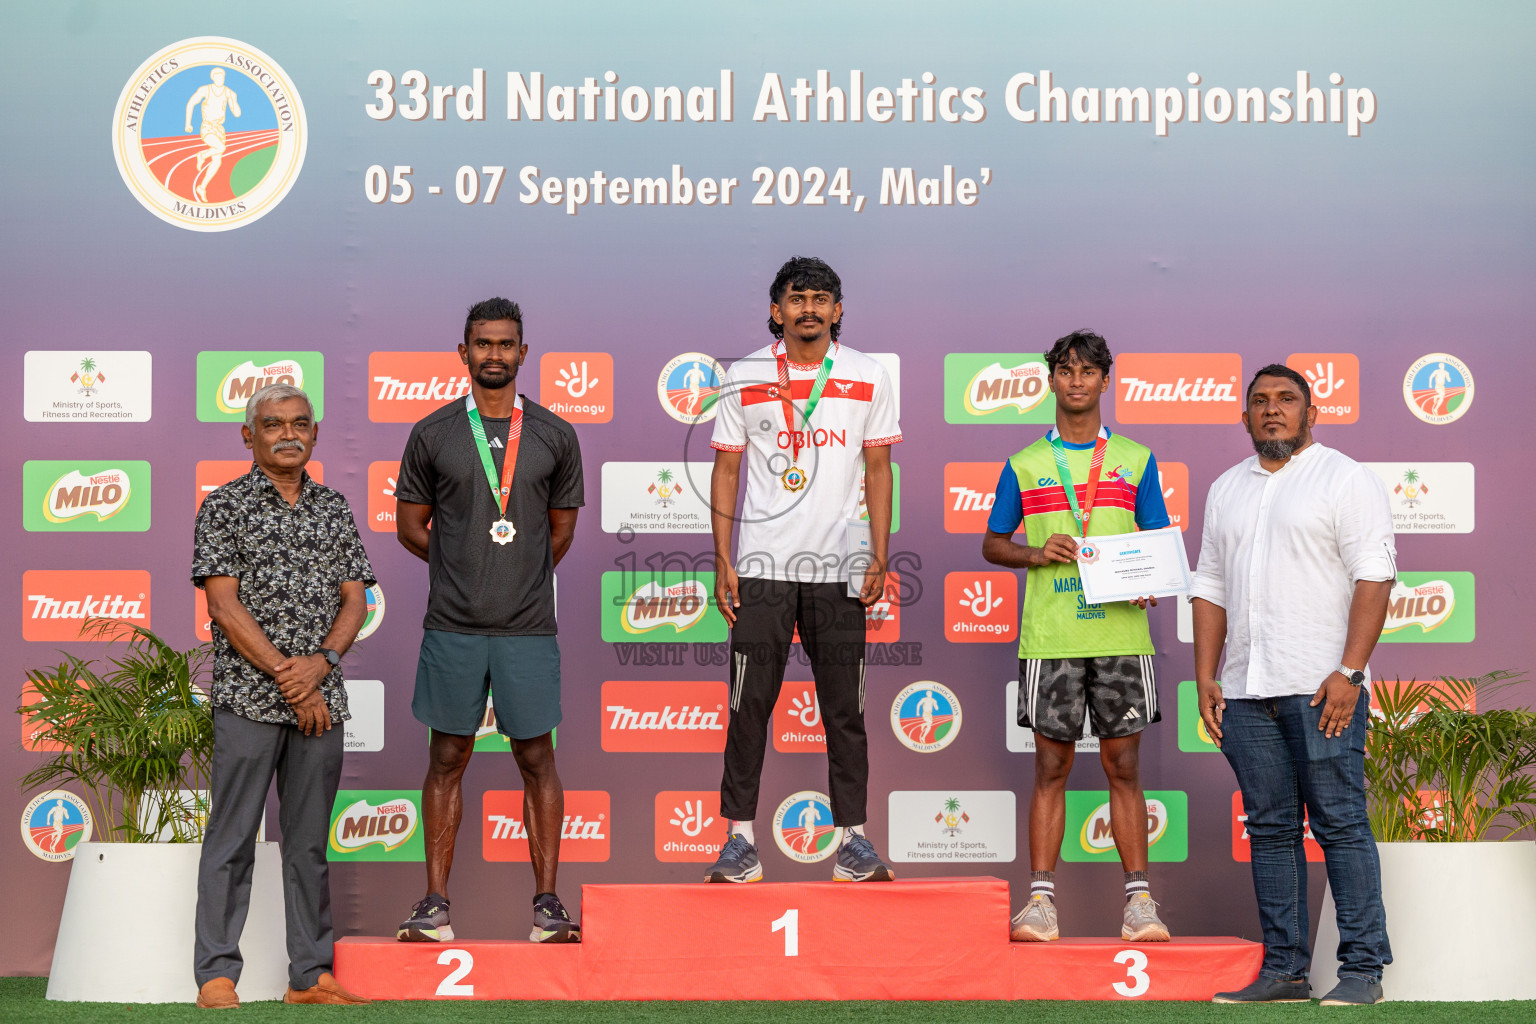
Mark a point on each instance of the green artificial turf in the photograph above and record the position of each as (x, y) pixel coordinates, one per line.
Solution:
(21, 999)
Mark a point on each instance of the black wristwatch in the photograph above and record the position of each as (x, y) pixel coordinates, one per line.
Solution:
(1355, 676)
(331, 657)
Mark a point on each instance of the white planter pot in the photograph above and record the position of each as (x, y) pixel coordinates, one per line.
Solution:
(1458, 918)
(126, 932)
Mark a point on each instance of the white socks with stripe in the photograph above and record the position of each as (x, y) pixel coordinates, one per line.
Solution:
(1042, 883)
(743, 829)
(1136, 883)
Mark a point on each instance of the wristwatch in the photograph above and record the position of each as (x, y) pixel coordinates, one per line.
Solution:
(331, 657)
(1355, 676)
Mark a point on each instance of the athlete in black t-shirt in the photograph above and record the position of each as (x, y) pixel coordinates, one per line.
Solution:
(498, 479)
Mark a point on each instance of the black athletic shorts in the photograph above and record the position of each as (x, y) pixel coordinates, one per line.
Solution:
(1061, 698)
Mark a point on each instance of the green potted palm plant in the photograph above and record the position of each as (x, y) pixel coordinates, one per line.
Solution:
(1450, 775)
(134, 739)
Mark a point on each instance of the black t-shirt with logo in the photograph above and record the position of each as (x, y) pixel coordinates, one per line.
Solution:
(477, 585)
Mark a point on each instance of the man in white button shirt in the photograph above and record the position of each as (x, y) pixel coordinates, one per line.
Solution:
(1296, 565)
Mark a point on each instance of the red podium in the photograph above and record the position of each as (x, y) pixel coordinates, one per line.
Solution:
(932, 938)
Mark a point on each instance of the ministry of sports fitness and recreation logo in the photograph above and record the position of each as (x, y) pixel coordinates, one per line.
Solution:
(689, 387)
(925, 716)
(1438, 388)
(54, 823)
(209, 134)
(803, 829)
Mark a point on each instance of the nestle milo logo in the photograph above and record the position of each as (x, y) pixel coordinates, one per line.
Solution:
(1431, 608)
(227, 380)
(105, 496)
(1090, 832)
(997, 388)
(661, 606)
(376, 825)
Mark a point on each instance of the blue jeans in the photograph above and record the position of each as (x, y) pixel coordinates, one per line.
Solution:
(1282, 761)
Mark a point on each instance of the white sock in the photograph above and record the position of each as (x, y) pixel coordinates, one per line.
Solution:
(743, 829)
(849, 831)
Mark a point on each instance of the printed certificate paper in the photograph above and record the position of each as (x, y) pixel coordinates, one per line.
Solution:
(1125, 566)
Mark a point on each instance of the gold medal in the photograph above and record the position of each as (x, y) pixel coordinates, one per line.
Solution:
(503, 532)
(794, 479)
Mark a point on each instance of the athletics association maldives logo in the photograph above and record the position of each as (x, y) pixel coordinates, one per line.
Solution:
(1438, 388)
(54, 823)
(925, 716)
(802, 826)
(689, 386)
(374, 617)
(209, 134)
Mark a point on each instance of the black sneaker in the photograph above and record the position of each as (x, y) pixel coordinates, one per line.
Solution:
(1354, 992)
(428, 921)
(551, 923)
(1268, 990)
(737, 862)
(857, 861)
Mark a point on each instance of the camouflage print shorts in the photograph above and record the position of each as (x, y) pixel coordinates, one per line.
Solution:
(1061, 697)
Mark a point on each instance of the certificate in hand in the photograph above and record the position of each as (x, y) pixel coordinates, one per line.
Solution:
(1125, 566)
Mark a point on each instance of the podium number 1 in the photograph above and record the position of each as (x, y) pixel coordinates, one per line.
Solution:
(789, 924)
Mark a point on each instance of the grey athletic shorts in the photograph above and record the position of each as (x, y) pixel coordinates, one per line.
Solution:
(1061, 698)
(457, 670)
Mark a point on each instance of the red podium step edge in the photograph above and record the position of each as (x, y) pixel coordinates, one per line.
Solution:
(1187, 969)
(932, 938)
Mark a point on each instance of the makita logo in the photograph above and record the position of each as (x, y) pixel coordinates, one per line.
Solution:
(664, 716)
(405, 386)
(963, 499)
(57, 603)
(108, 606)
(583, 832)
(504, 826)
(667, 718)
(1201, 389)
(437, 390)
(246, 379)
(1179, 387)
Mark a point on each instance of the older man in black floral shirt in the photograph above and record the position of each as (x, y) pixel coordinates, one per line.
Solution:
(284, 570)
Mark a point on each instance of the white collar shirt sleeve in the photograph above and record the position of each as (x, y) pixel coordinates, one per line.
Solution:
(1282, 552)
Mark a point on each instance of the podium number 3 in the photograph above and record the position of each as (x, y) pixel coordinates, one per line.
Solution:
(789, 924)
(450, 985)
(1135, 970)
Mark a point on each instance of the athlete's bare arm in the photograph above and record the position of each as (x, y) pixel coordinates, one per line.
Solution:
(1001, 549)
(724, 486)
(562, 530)
(412, 523)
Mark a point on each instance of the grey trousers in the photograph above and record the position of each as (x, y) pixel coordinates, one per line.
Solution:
(246, 755)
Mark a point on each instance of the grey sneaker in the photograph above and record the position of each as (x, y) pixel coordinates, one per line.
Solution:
(1141, 921)
(857, 861)
(551, 923)
(1354, 992)
(1268, 990)
(737, 862)
(1036, 922)
(428, 921)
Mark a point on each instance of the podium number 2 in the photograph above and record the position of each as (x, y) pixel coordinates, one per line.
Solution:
(1136, 970)
(789, 924)
(450, 985)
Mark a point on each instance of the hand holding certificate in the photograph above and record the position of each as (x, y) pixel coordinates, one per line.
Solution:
(1127, 566)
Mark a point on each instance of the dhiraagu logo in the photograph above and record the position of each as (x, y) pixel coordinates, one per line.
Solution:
(1431, 608)
(1090, 837)
(666, 607)
(1194, 738)
(374, 824)
(997, 388)
(85, 496)
(227, 380)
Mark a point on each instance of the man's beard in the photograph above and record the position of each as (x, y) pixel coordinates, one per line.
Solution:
(1280, 448)
(501, 378)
